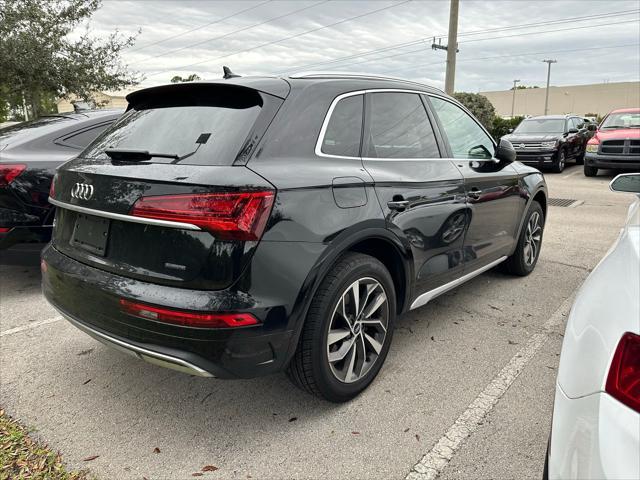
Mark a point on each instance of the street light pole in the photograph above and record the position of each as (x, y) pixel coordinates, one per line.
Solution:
(546, 98)
(513, 100)
(452, 48)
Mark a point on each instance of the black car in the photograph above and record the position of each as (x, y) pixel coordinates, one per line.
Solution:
(241, 227)
(549, 141)
(29, 154)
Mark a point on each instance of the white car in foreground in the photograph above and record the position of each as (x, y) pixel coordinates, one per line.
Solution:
(596, 419)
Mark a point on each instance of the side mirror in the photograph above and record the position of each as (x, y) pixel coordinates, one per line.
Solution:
(626, 182)
(573, 130)
(510, 130)
(505, 151)
(592, 127)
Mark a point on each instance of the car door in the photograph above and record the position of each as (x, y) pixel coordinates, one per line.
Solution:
(491, 186)
(422, 195)
(574, 137)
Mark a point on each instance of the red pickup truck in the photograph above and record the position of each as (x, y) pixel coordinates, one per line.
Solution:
(616, 143)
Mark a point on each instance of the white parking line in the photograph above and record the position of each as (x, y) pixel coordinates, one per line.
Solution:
(30, 326)
(432, 464)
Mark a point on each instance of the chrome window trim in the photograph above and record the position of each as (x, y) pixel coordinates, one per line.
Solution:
(139, 352)
(122, 217)
(431, 294)
(327, 118)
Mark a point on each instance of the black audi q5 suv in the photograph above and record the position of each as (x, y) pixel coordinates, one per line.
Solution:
(240, 227)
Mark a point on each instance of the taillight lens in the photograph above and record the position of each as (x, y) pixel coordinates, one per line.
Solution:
(623, 382)
(52, 188)
(229, 216)
(187, 319)
(8, 173)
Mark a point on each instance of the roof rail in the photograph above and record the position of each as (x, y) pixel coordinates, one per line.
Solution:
(313, 74)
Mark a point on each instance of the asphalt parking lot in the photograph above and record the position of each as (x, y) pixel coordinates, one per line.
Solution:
(466, 391)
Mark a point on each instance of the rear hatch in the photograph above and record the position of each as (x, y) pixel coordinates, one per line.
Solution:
(163, 195)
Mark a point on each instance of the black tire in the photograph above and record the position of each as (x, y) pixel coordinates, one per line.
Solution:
(561, 160)
(590, 171)
(310, 368)
(518, 263)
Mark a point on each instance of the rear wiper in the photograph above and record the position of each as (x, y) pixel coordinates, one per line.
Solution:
(136, 155)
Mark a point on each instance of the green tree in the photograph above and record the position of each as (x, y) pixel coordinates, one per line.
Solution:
(501, 126)
(479, 105)
(40, 60)
(191, 78)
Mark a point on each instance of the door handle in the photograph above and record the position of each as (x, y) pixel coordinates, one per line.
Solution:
(475, 193)
(398, 204)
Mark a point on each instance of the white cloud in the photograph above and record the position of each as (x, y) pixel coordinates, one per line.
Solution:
(400, 24)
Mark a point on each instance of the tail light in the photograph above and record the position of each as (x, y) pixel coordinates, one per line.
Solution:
(8, 173)
(187, 319)
(229, 216)
(4, 229)
(623, 382)
(52, 188)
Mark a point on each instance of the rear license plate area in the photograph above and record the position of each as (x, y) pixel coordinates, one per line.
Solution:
(91, 234)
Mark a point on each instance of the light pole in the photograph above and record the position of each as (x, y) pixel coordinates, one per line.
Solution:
(546, 98)
(513, 100)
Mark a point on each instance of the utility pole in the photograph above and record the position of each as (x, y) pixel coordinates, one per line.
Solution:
(546, 98)
(513, 100)
(452, 48)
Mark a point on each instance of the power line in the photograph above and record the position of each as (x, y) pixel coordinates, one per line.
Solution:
(421, 40)
(282, 39)
(475, 59)
(199, 28)
(474, 40)
(249, 27)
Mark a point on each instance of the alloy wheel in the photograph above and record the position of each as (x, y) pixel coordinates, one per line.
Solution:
(532, 239)
(357, 330)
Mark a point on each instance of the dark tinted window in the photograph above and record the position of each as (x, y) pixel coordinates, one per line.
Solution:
(541, 125)
(84, 138)
(400, 128)
(342, 136)
(466, 138)
(174, 122)
(34, 128)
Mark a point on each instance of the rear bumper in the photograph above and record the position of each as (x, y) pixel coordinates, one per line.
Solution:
(24, 235)
(626, 162)
(593, 437)
(89, 299)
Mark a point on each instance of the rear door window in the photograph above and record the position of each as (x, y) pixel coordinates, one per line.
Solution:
(84, 138)
(205, 125)
(344, 130)
(399, 127)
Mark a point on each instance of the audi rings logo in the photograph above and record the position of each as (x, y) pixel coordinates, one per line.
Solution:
(82, 191)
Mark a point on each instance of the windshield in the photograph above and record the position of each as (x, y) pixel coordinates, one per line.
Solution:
(204, 128)
(622, 120)
(541, 125)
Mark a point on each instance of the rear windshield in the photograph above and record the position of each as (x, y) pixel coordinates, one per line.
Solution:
(34, 128)
(554, 125)
(197, 126)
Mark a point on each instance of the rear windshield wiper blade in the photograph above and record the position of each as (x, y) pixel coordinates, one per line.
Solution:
(136, 155)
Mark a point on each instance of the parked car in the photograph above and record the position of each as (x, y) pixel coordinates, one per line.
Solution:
(29, 154)
(616, 143)
(596, 419)
(549, 141)
(241, 227)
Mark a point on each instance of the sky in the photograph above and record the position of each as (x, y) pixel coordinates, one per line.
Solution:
(499, 41)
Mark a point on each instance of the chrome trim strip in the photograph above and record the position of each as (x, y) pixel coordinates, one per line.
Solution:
(431, 294)
(124, 218)
(139, 352)
(327, 118)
